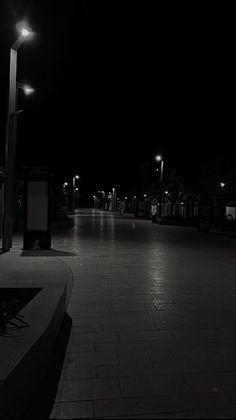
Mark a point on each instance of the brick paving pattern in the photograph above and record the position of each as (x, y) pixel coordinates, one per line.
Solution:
(153, 311)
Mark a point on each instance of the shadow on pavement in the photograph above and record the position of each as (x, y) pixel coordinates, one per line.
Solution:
(46, 253)
(42, 405)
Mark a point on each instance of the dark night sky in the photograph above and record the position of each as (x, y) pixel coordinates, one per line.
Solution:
(118, 82)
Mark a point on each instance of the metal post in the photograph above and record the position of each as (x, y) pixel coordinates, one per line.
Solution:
(73, 195)
(160, 193)
(10, 155)
(162, 167)
(113, 199)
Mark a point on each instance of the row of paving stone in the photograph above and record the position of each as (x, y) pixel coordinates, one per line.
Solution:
(153, 321)
(140, 350)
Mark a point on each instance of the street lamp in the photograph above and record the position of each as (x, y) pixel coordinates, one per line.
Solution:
(28, 90)
(25, 32)
(160, 159)
(113, 199)
(75, 191)
(10, 153)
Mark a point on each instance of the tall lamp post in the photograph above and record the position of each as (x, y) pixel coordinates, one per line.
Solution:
(159, 159)
(10, 153)
(75, 192)
(113, 200)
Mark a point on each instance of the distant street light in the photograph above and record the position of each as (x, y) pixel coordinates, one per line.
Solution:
(75, 192)
(160, 159)
(222, 184)
(10, 153)
(113, 199)
(94, 201)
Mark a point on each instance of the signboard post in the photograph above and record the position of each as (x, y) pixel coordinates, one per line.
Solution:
(37, 209)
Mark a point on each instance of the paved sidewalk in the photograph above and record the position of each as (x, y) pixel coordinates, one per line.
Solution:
(153, 310)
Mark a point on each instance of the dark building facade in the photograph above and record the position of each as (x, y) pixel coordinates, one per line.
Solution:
(217, 195)
(175, 199)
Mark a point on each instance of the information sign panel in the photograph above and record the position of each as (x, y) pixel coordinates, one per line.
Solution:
(37, 229)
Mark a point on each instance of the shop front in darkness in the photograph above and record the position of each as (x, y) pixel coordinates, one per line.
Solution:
(37, 209)
(218, 213)
(223, 212)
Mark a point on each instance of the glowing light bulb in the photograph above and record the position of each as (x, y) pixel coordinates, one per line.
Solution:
(25, 32)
